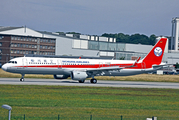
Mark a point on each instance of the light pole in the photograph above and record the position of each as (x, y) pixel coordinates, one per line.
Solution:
(8, 108)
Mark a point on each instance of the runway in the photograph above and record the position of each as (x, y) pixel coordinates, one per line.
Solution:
(101, 83)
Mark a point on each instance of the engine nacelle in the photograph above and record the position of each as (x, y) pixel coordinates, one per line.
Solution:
(78, 75)
(60, 76)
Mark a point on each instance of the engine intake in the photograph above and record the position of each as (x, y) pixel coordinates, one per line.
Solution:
(60, 76)
(78, 75)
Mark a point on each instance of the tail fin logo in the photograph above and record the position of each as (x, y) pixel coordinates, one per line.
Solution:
(158, 51)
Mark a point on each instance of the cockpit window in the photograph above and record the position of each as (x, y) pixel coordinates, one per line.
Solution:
(13, 62)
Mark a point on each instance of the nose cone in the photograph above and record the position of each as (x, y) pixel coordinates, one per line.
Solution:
(4, 67)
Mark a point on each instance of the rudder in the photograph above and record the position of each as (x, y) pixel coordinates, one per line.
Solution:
(156, 54)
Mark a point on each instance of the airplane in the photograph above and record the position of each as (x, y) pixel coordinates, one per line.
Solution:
(80, 69)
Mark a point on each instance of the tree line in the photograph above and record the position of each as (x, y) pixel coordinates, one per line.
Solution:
(134, 39)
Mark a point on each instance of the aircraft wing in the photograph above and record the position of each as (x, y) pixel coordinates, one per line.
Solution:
(110, 68)
(105, 68)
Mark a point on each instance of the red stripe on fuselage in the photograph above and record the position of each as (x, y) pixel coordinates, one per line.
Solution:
(137, 66)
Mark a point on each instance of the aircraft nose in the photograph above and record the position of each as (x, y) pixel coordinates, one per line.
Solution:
(4, 67)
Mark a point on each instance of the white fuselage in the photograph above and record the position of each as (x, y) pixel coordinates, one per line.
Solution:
(60, 66)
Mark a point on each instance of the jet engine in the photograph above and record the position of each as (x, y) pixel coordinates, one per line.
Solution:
(78, 75)
(60, 76)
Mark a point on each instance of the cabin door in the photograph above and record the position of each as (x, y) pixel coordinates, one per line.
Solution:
(100, 64)
(24, 63)
(59, 63)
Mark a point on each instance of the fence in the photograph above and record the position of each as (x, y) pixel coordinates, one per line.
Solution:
(80, 117)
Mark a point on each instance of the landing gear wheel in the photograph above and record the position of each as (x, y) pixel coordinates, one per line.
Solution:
(93, 81)
(81, 81)
(22, 79)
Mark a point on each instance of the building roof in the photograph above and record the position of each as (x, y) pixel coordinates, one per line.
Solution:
(55, 34)
(2, 28)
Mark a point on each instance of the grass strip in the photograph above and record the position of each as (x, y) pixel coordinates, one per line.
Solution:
(49, 101)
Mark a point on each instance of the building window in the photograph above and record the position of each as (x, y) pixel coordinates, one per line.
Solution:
(18, 45)
(30, 52)
(1, 37)
(103, 46)
(15, 45)
(112, 46)
(12, 38)
(92, 45)
(0, 50)
(12, 44)
(0, 44)
(120, 47)
(0, 57)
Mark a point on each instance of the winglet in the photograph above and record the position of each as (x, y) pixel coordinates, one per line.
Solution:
(136, 61)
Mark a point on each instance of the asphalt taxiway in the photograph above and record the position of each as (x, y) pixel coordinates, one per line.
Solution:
(101, 83)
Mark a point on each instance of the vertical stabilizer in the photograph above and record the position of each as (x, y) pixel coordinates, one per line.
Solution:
(156, 54)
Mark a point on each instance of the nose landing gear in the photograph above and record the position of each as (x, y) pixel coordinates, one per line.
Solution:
(22, 78)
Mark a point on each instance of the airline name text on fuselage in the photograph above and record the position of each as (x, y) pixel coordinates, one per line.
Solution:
(65, 61)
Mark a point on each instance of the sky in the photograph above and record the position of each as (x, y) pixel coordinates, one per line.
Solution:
(92, 17)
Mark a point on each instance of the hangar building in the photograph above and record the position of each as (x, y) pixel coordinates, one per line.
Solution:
(18, 41)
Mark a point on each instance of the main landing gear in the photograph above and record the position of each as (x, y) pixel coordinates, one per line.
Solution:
(22, 78)
(93, 80)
